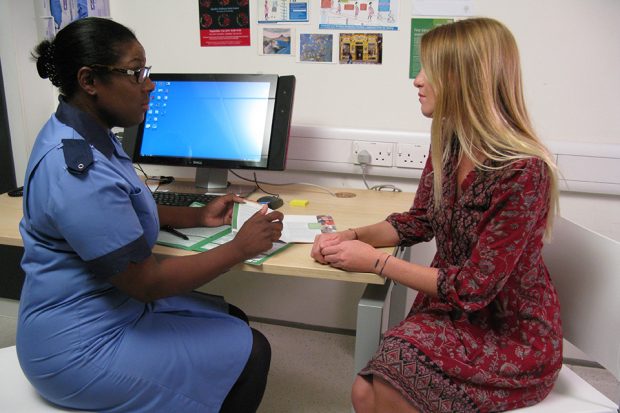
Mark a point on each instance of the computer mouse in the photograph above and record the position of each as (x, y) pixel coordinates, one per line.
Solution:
(273, 202)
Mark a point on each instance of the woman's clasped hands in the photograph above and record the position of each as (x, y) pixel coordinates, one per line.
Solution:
(342, 250)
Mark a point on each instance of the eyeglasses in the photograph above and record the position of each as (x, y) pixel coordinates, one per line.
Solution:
(140, 74)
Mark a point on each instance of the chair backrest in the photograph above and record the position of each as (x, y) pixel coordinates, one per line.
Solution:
(585, 269)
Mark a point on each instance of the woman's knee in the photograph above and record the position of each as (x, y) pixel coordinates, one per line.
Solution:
(247, 392)
(362, 394)
(389, 399)
(235, 311)
(261, 349)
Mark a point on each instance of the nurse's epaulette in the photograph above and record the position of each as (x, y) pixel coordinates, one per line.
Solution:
(78, 155)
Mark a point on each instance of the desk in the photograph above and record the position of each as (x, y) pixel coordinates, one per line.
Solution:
(364, 207)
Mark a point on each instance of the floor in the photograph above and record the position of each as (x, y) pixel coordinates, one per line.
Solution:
(311, 371)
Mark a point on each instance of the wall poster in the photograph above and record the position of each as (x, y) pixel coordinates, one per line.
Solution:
(316, 48)
(224, 22)
(276, 41)
(359, 14)
(56, 14)
(361, 48)
(419, 26)
(283, 11)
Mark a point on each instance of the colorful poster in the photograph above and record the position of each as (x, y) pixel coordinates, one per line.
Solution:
(359, 14)
(418, 28)
(316, 48)
(224, 22)
(361, 48)
(276, 41)
(56, 14)
(283, 11)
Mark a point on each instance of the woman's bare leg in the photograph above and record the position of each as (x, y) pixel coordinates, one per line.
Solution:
(388, 399)
(378, 396)
(363, 396)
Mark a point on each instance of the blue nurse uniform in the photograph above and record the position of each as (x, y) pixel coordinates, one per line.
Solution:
(83, 343)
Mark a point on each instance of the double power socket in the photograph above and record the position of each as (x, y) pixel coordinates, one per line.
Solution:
(400, 155)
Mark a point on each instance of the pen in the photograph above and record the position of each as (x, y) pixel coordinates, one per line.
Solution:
(173, 231)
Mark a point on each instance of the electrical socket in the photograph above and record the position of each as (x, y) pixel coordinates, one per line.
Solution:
(411, 155)
(380, 152)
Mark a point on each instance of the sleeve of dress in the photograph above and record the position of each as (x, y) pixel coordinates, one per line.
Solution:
(414, 225)
(96, 215)
(514, 223)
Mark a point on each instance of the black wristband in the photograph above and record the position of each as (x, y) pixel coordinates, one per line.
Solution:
(383, 267)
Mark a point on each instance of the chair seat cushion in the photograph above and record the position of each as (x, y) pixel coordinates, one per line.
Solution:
(16, 392)
(571, 394)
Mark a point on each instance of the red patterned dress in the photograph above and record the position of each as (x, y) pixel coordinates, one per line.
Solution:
(492, 339)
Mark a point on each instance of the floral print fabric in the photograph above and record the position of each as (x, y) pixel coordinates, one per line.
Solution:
(491, 340)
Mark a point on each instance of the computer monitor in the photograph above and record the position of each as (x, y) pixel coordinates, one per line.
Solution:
(217, 122)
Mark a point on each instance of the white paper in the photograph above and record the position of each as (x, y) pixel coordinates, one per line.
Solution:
(300, 228)
(442, 7)
(296, 228)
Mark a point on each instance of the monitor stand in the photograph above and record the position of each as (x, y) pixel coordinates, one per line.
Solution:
(215, 180)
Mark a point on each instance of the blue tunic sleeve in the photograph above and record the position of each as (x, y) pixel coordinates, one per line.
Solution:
(102, 217)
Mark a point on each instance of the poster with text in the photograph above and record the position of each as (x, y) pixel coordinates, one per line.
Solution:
(224, 22)
(283, 11)
(419, 26)
(359, 15)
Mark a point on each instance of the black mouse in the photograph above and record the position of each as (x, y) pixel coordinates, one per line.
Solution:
(273, 202)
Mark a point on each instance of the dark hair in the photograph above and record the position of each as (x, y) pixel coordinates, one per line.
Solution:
(84, 42)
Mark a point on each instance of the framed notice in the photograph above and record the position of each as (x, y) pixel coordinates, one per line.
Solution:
(224, 22)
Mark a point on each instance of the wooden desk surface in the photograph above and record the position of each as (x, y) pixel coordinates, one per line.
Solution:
(10, 215)
(366, 207)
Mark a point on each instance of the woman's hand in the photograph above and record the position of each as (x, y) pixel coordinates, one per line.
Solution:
(324, 240)
(219, 211)
(259, 232)
(353, 256)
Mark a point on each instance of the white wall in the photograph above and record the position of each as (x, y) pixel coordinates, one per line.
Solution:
(569, 52)
(30, 99)
(570, 58)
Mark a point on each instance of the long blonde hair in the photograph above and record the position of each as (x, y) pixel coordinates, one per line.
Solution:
(474, 70)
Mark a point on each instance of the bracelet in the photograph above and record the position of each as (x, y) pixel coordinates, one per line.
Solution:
(354, 232)
(384, 262)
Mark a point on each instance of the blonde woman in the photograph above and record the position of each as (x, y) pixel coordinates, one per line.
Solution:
(484, 333)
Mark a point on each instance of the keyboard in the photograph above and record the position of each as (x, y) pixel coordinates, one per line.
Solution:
(181, 199)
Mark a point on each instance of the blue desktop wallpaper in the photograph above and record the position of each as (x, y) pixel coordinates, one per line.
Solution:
(208, 120)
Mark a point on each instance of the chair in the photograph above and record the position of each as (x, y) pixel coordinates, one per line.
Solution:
(16, 393)
(585, 268)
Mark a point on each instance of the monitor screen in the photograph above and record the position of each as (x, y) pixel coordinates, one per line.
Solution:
(217, 121)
